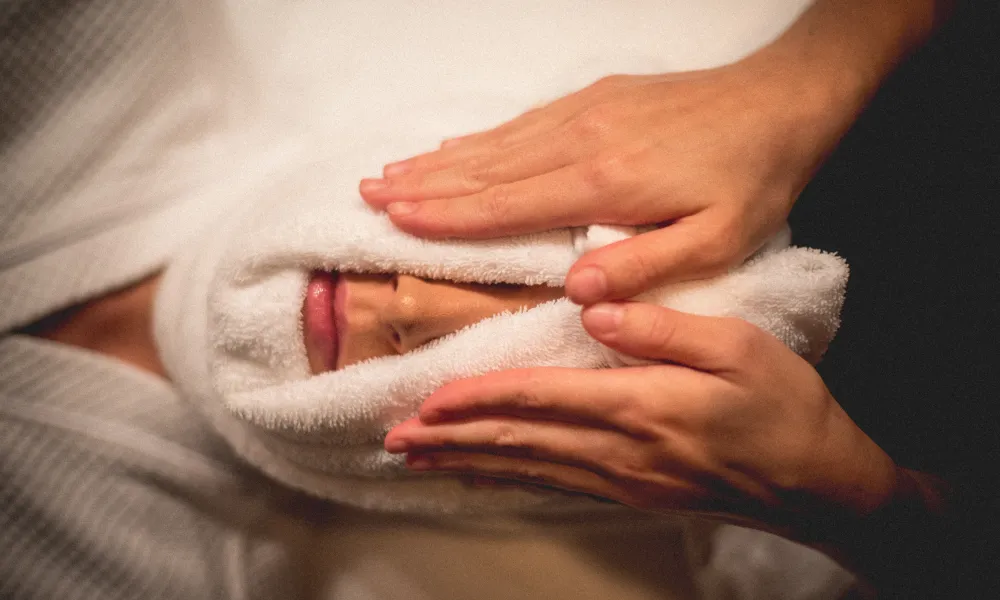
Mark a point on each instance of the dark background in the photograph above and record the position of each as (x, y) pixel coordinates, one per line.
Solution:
(911, 199)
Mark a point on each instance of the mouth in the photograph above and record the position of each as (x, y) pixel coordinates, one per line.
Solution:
(319, 322)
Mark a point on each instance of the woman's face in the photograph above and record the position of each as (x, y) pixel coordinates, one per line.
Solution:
(349, 318)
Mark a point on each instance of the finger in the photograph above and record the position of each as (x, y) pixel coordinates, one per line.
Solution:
(494, 483)
(551, 441)
(473, 173)
(480, 481)
(526, 471)
(541, 117)
(647, 331)
(684, 250)
(607, 399)
(522, 128)
(562, 198)
(529, 124)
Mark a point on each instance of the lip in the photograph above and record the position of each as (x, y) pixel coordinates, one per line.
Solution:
(321, 317)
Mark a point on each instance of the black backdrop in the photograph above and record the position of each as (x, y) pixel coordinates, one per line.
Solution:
(911, 199)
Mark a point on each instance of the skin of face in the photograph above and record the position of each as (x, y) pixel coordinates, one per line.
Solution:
(387, 315)
(381, 315)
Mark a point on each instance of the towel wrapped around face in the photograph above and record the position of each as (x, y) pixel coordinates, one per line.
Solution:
(229, 328)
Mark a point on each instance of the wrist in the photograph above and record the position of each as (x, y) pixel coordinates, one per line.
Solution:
(802, 112)
(856, 44)
(890, 546)
(811, 95)
(823, 71)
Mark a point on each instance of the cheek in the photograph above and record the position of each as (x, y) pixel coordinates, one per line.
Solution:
(359, 344)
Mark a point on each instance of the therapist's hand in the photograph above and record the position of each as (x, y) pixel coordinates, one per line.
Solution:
(719, 154)
(732, 423)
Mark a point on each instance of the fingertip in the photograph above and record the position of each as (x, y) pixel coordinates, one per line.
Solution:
(603, 320)
(643, 262)
(395, 441)
(587, 285)
(430, 412)
(429, 417)
(394, 444)
(373, 190)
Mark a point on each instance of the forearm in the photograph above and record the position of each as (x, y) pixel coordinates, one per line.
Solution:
(816, 79)
(903, 545)
(853, 45)
(893, 527)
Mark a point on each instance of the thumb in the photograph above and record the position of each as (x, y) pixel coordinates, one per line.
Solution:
(677, 252)
(648, 331)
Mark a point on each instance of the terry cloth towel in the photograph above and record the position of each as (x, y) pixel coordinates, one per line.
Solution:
(228, 325)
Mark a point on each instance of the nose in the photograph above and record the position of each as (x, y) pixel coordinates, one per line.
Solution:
(422, 311)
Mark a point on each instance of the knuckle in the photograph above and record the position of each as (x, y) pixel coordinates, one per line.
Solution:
(474, 170)
(661, 327)
(506, 437)
(633, 414)
(744, 339)
(608, 82)
(721, 250)
(627, 467)
(529, 401)
(640, 268)
(607, 172)
(532, 474)
(497, 205)
(595, 123)
(624, 407)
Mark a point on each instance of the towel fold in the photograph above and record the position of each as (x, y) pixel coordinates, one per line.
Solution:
(228, 324)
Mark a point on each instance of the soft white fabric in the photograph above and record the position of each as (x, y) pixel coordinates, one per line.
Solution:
(361, 94)
(247, 366)
(111, 126)
(139, 167)
(114, 487)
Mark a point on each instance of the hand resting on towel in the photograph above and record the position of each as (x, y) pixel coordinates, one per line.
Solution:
(720, 154)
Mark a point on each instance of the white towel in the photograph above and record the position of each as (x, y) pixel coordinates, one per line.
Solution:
(228, 325)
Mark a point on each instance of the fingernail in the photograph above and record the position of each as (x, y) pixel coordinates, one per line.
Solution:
(401, 208)
(419, 463)
(603, 319)
(369, 186)
(587, 285)
(396, 169)
(395, 446)
(430, 416)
